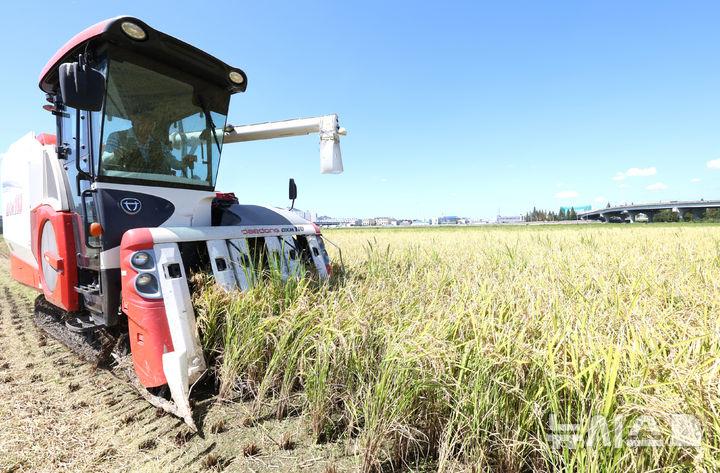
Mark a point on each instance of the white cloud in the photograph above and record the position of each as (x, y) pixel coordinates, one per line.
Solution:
(695, 179)
(715, 163)
(624, 186)
(600, 199)
(658, 186)
(641, 172)
(566, 194)
(635, 172)
(560, 184)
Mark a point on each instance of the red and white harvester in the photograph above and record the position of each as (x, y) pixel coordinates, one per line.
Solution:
(109, 216)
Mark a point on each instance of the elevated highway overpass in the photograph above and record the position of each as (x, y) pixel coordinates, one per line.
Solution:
(629, 212)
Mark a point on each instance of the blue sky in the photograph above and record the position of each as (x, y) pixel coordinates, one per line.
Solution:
(455, 108)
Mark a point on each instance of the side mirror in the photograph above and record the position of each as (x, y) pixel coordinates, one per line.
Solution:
(292, 192)
(81, 87)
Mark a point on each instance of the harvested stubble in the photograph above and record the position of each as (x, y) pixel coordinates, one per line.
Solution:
(455, 347)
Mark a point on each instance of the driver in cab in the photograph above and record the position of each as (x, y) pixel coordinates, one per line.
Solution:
(143, 148)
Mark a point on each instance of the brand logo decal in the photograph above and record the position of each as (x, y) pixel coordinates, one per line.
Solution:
(130, 205)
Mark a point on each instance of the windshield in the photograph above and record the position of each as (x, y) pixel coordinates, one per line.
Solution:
(160, 129)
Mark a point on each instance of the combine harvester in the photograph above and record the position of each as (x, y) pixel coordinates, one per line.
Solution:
(108, 217)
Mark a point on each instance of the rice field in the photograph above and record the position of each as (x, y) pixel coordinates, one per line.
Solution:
(516, 349)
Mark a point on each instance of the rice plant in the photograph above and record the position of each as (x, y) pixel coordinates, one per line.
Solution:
(491, 349)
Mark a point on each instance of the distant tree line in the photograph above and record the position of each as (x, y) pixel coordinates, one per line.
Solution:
(550, 216)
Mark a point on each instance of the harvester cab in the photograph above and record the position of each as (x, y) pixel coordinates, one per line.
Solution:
(109, 216)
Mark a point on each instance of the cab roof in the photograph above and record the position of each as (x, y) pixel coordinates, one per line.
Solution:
(156, 45)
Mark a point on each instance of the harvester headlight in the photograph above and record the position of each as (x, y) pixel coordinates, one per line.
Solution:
(236, 77)
(133, 31)
(146, 284)
(140, 259)
(145, 280)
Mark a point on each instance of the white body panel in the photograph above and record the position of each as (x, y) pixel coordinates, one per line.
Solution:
(186, 363)
(318, 256)
(225, 276)
(242, 263)
(31, 176)
(292, 256)
(178, 234)
(276, 256)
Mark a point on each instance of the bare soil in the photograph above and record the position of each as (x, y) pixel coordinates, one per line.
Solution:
(59, 413)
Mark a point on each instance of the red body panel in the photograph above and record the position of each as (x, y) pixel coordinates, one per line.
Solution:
(149, 339)
(23, 272)
(78, 39)
(55, 261)
(147, 321)
(64, 261)
(46, 139)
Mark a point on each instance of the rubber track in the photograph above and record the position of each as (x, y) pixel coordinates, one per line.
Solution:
(50, 319)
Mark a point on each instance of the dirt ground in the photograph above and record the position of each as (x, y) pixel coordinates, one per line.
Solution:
(58, 413)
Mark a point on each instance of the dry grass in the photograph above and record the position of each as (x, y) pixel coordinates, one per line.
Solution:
(455, 346)
(218, 426)
(210, 461)
(250, 450)
(286, 442)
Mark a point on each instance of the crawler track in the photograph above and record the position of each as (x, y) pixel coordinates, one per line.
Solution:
(50, 319)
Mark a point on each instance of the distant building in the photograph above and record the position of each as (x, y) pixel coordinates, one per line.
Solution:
(385, 221)
(306, 214)
(447, 220)
(337, 221)
(510, 219)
